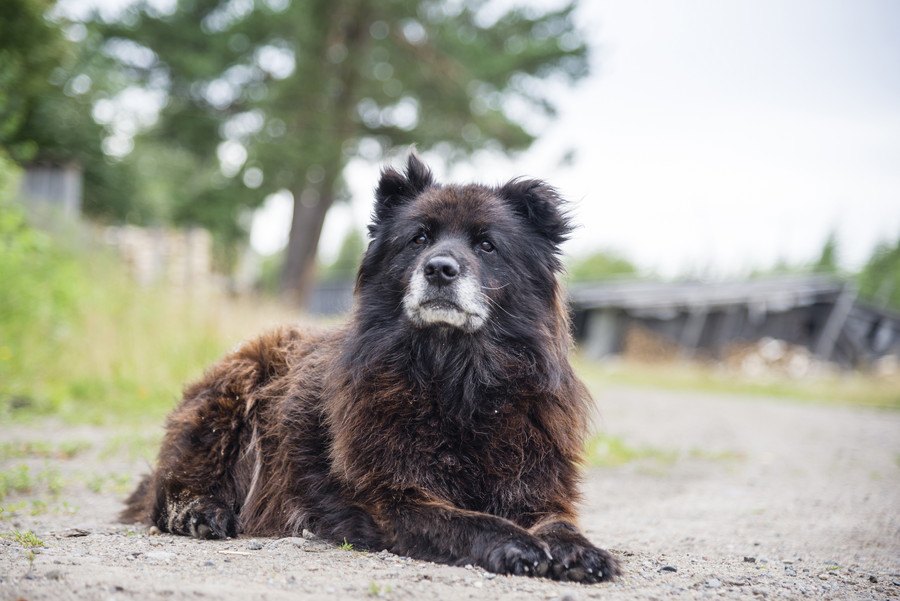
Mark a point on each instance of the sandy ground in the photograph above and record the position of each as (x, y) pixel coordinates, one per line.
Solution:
(728, 497)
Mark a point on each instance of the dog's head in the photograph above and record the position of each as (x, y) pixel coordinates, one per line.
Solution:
(462, 257)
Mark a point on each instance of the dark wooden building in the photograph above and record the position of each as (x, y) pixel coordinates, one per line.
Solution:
(703, 318)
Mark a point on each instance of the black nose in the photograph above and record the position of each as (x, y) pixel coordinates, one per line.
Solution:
(441, 270)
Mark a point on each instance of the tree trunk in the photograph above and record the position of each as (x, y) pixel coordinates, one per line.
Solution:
(326, 134)
(298, 272)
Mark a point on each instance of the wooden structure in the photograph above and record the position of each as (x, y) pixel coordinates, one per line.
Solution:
(703, 318)
(55, 186)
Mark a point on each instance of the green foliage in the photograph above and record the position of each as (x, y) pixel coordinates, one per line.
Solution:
(605, 450)
(26, 538)
(828, 259)
(30, 48)
(79, 340)
(879, 280)
(601, 265)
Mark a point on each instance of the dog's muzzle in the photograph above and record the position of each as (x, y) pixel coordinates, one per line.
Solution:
(442, 293)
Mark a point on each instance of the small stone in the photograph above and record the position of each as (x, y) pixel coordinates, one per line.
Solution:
(254, 545)
(713, 583)
(873, 579)
(568, 596)
(159, 555)
(74, 532)
(154, 531)
(749, 559)
(209, 563)
(478, 584)
(53, 575)
(823, 576)
(490, 575)
(308, 535)
(668, 569)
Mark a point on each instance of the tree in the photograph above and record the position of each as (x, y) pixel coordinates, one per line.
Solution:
(349, 256)
(828, 259)
(879, 280)
(288, 91)
(48, 86)
(598, 266)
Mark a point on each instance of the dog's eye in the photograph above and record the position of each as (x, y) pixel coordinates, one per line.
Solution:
(420, 239)
(486, 246)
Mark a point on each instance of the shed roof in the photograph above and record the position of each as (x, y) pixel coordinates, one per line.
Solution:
(774, 293)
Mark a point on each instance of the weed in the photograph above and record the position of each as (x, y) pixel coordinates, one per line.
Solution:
(604, 450)
(27, 538)
(29, 448)
(38, 507)
(345, 546)
(15, 480)
(724, 456)
(378, 590)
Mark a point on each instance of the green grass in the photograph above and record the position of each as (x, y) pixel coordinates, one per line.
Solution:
(16, 480)
(27, 538)
(345, 546)
(605, 450)
(37, 449)
(80, 341)
(20, 480)
(378, 590)
(852, 389)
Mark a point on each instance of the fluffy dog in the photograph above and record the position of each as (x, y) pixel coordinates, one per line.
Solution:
(444, 422)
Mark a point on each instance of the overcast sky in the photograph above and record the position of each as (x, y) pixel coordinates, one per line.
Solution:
(713, 137)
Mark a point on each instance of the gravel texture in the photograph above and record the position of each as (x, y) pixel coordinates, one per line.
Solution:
(741, 498)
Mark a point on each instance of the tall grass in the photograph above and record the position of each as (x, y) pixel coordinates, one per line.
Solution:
(79, 340)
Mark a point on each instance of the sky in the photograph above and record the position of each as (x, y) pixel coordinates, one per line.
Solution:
(712, 138)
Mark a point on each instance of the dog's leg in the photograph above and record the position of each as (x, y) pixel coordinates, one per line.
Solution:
(436, 531)
(574, 557)
(194, 488)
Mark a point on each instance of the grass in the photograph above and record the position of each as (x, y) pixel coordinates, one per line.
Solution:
(605, 450)
(378, 590)
(16, 480)
(81, 342)
(851, 389)
(345, 546)
(27, 538)
(20, 479)
(37, 449)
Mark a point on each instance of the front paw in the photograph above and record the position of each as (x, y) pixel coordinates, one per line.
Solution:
(576, 561)
(202, 518)
(522, 556)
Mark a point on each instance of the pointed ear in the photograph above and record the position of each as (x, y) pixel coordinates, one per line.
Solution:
(396, 189)
(540, 205)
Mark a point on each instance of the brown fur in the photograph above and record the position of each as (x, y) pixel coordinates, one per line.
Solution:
(407, 446)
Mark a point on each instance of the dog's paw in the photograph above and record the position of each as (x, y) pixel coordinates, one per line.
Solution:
(575, 561)
(204, 519)
(522, 556)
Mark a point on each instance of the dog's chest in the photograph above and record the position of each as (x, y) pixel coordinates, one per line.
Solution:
(474, 462)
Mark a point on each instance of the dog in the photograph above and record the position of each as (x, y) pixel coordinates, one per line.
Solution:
(443, 422)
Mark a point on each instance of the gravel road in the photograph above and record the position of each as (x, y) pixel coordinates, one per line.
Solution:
(721, 497)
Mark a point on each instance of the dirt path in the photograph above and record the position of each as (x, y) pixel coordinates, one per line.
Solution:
(715, 497)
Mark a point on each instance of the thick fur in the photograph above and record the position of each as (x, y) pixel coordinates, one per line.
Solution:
(406, 429)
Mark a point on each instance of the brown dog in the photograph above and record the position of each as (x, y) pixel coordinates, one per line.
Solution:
(443, 423)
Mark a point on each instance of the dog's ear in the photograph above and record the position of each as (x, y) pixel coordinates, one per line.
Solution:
(396, 189)
(540, 205)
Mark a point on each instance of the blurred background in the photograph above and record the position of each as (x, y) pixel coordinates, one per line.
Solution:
(176, 175)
